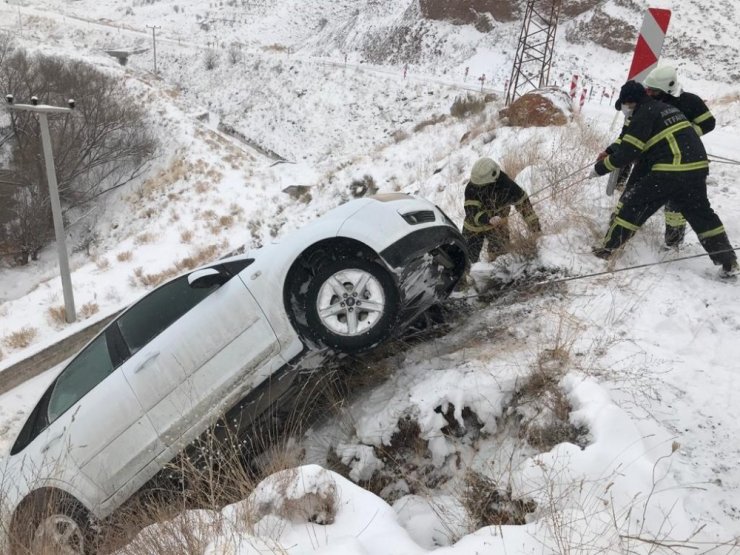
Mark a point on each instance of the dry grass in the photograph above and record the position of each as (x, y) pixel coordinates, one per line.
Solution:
(20, 339)
(57, 315)
(202, 187)
(124, 256)
(88, 309)
(487, 504)
(144, 238)
(102, 263)
(186, 236)
(514, 160)
(467, 104)
(434, 120)
(198, 258)
(276, 47)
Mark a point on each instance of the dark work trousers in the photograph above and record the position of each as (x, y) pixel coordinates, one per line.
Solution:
(675, 223)
(498, 242)
(687, 192)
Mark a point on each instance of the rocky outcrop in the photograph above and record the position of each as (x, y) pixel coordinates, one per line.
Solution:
(466, 11)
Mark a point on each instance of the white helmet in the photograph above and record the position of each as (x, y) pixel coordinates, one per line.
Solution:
(484, 171)
(664, 79)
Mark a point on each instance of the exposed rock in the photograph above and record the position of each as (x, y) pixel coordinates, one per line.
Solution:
(465, 11)
(539, 108)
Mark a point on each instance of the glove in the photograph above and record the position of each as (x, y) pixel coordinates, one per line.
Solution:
(593, 173)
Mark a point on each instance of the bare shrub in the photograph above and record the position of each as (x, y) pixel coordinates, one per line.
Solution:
(143, 238)
(539, 403)
(210, 59)
(20, 339)
(434, 120)
(467, 104)
(88, 309)
(363, 187)
(104, 145)
(484, 23)
(399, 135)
(275, 47)
(57, 314)
(186, 236)
(124, 256)
(487, 504)
(198, 258)
(202, 187)
(235, 54)
(516, 158)
(102, 263)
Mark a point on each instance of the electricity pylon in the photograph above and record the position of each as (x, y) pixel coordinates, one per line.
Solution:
(531, 69)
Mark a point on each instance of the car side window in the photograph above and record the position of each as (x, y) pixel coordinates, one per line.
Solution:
(87, 370)
(158, 310)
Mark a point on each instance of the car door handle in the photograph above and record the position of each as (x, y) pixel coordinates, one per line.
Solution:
(52, 441)
(147, 361)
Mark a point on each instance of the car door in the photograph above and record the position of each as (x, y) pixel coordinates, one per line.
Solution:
(178, 335)
(91, 417)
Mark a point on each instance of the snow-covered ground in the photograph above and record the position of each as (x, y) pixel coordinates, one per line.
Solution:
(645, 359)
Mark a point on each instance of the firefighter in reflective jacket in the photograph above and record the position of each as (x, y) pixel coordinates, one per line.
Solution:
(662, 84)
(674, 168)
(489, 196)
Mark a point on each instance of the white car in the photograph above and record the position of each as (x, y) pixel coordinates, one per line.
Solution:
(214, 342)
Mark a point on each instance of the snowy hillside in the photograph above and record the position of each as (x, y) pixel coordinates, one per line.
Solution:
(596, 415)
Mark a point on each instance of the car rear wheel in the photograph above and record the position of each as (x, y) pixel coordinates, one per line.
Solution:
(351, 304)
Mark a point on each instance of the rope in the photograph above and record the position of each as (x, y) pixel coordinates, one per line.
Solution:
(604, 273)
(629, 268)
(561, 190)
(723, 158)
(538, 191)
(715, 160)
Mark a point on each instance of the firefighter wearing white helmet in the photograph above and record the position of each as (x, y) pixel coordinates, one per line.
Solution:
(489, 196)
(662, 84)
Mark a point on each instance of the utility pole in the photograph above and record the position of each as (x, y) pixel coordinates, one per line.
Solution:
(154, 43)
(51, 177)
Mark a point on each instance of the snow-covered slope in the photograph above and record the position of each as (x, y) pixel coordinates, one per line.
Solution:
(643, 359)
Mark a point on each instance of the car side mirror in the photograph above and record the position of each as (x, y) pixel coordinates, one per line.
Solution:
(206, 278)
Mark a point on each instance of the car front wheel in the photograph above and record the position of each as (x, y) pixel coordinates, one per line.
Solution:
(53, 524)
(351, 304)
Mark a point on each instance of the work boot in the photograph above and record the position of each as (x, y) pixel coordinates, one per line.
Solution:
(674, 236)
(602, 252)
(729, 270)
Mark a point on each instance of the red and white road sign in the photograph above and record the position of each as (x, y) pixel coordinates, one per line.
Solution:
(649, 43)
(647, 52)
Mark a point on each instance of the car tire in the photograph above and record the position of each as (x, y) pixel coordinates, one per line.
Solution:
(60, 525)
(351, 304)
